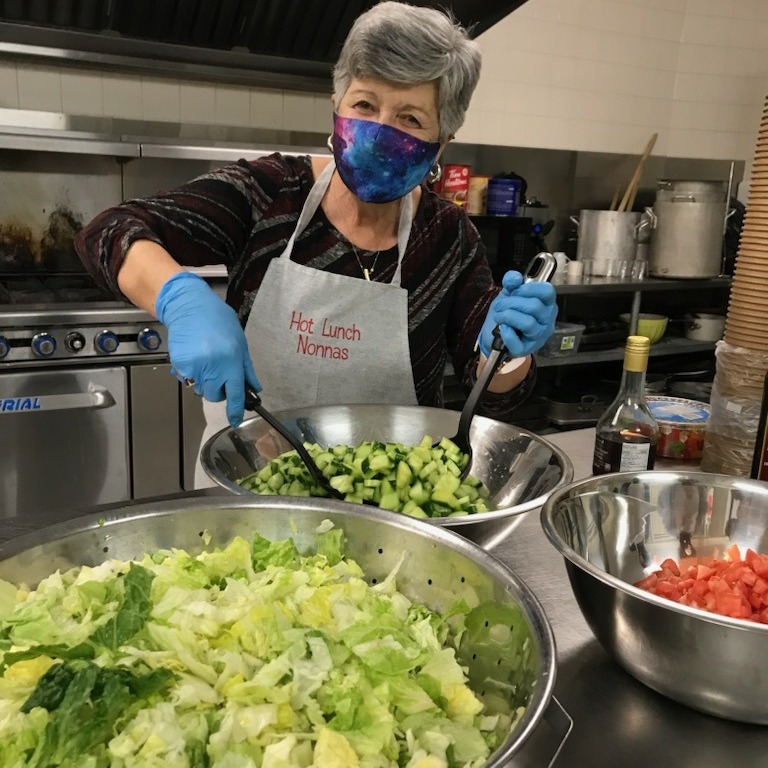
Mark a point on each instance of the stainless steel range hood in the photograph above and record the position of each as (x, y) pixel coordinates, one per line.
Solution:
(275, 43)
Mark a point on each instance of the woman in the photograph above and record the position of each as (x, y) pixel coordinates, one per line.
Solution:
(349, 281)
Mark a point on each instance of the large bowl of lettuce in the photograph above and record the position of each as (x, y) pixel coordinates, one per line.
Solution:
(215, 632)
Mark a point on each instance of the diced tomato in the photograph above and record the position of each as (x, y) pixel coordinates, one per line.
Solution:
(758, 563)
(704, 572)
(748, 576)
(687, 562)
(700, 588)
(670, 565)
(669, 590)
(649, 582)
(730, 586)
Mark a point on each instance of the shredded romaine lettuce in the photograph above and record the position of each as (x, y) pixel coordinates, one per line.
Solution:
(251, 656)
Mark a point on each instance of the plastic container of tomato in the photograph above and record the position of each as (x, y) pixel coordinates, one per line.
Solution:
(682, 426)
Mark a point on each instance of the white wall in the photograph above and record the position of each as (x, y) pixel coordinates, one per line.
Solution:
(603, 75)
(98, 93)
(587, 75)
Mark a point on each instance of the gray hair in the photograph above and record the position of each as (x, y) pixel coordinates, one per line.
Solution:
(407, 45)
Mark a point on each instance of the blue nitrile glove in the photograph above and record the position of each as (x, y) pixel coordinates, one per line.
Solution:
(525, 313)
(206, 343)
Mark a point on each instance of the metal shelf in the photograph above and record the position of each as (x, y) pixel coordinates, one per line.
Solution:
(665, 347)
(67, 143)
(212, 151)
(651, 285)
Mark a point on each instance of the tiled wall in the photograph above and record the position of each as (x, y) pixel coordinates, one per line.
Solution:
(602, 75)
(106, 94)
(588, 75)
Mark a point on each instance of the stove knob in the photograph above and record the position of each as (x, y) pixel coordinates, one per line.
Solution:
(149, 339)
(5, 347)
(106, 342)
(43, 344)
(74, 341)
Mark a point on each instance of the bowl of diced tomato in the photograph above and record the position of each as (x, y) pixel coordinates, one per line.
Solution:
(670, 570)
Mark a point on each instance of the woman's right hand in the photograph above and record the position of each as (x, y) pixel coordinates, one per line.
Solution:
(206, 342)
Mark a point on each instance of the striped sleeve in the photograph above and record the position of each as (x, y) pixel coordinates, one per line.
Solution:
(206, 221)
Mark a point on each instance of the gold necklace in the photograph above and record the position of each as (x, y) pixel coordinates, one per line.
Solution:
(366, 272)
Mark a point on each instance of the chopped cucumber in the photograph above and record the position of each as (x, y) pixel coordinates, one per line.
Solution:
(420, 481)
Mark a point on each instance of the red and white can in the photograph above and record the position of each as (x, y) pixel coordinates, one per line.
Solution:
(454, 185)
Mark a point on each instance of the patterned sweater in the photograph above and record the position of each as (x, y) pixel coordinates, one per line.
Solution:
(242, 216)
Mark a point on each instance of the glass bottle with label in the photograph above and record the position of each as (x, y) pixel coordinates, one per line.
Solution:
(626, 434)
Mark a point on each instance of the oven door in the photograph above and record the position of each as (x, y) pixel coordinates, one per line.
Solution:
(63, 440)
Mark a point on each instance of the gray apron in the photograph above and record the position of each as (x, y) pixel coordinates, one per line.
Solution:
(317, 338)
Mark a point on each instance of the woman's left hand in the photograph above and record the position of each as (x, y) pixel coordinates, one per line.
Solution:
(525, 313)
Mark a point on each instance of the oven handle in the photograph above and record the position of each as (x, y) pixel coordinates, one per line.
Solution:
(95, 398)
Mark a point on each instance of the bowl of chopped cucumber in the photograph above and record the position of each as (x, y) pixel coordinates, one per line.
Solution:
(259, 631)
(399, 458)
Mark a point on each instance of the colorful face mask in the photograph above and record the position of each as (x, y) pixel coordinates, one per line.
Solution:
(379, 163)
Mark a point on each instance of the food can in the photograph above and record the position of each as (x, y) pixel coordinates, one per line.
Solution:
(454, 185)
(477, 195)
(503, 197)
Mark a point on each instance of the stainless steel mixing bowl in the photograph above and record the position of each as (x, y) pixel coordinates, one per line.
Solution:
(614, 529)
(519, 469)
(510, 659)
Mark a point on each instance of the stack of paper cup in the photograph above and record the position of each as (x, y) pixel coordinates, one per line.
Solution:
(742, 356)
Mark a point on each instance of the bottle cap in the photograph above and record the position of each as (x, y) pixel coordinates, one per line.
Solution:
(636, 353)
(638, 343)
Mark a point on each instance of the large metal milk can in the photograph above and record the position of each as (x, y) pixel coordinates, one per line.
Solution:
(687, 241)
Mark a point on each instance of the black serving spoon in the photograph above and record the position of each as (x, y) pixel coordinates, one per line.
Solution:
(461, 438)
(540, 269)
(253, 403)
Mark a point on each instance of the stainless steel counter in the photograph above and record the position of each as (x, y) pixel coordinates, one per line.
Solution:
(618, 722)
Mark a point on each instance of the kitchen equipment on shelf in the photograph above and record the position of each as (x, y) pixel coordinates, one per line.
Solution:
(515, 666)
(518, 468)
(477, 194)
(648, 324)
(610, 538)
(703, 326)
(564, 340)
(687, 237)
(609, 236)
(601, 333)
(505, 193)
(669, 383)
(576, 406)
